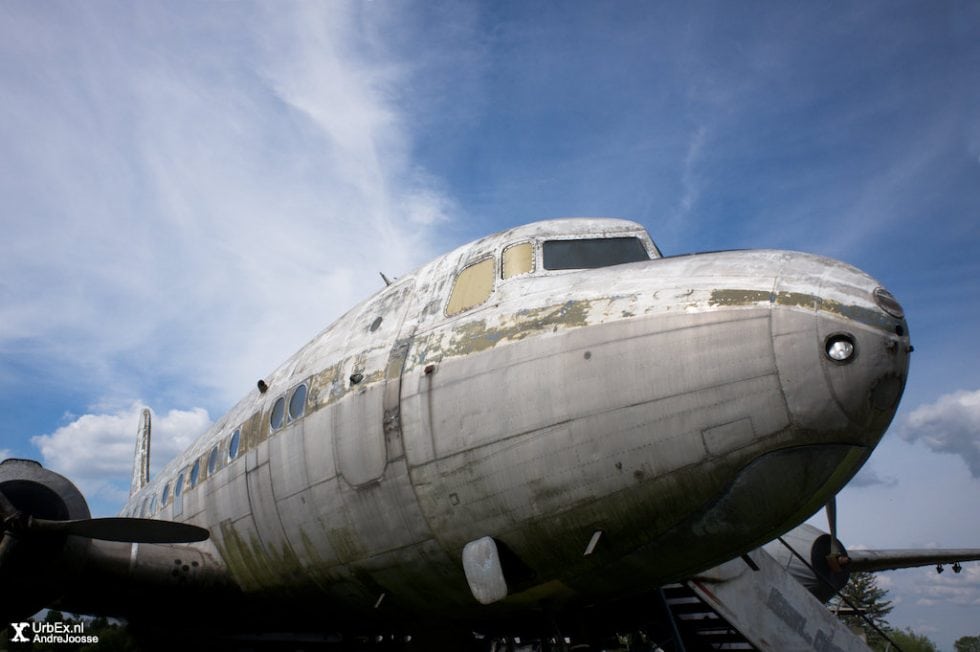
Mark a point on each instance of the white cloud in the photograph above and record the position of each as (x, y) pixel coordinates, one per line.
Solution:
(949, 425)
(960, 589)
(96, 451)
(200, 195)
(869, 477)
(4, 453)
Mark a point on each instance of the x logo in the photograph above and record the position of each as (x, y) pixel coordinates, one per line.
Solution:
(19, 633)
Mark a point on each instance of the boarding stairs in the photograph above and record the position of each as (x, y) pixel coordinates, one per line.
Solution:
(752, 603)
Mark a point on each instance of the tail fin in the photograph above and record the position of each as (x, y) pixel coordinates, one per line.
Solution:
(141, 463)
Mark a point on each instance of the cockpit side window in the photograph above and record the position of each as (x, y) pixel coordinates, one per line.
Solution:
(472, 287)
(591, 253)
(517, 259)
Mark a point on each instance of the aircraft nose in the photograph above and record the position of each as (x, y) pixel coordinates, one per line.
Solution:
(832, 317)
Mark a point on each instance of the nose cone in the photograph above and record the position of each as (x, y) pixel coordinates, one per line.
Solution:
(832, 317)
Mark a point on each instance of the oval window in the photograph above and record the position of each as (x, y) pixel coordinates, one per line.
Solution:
(297, 402)
(143, 507)
(233, 444)
(153, 505)
(195, 473)
(179, 485)
(212, 460)
(165, 494)
(278, 412)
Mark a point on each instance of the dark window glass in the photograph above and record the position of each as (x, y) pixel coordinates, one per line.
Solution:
(195, 473)
(165, 495)
(592, 253)
(153, 505)
(233, 444)
(212, 460)
(278, 412)
(297, 402)
(179, 485)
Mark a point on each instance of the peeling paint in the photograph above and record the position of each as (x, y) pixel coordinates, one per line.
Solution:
(804, 300)
(476, 336)
(739, 297)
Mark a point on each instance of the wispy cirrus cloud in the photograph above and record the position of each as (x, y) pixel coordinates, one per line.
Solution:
(194, 199)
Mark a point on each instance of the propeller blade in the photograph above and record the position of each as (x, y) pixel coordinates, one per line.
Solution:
(126, 530)
(7, 508)
(836, 559)
(832, 521)
(7, 544)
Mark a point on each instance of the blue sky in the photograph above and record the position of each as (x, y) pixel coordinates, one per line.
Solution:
(191, 191)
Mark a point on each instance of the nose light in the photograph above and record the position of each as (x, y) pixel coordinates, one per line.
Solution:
(840, 347)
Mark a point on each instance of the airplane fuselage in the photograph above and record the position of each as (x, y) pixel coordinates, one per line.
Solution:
(611, 428)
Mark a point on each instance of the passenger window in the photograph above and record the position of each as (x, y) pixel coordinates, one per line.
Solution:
(517, 259)
(212, 460)
(297, 402)
(153, 505)
(473, 286)
(233, 444)
(278, 412)
(178, 495)
(195, 473)
(592, 253)
(143, 508)
(165, 494)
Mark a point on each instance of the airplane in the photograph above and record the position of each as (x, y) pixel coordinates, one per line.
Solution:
(539, 428)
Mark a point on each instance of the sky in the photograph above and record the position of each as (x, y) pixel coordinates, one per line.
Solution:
(191, 191)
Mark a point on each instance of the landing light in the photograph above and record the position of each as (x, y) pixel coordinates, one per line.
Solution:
(840, 348)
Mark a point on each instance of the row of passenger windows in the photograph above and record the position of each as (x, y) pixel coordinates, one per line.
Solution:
(473, 285)
(277, 419)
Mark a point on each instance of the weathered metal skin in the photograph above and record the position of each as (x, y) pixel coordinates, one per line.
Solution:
(685, 407)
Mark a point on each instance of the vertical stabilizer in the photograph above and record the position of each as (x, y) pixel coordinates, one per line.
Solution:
(141, 463)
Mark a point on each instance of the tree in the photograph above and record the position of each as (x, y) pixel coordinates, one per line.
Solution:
(909, 641)
(967, 644)
(868, 598)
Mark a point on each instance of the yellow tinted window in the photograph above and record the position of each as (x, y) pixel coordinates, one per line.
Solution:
(473, 286)
(518, 259)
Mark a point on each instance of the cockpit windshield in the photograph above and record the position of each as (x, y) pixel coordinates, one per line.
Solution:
(591, 253)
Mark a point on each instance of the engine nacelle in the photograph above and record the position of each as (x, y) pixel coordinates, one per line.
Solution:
(814, 546)
(36, 568)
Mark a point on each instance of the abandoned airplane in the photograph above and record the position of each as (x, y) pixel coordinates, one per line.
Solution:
(547, 421)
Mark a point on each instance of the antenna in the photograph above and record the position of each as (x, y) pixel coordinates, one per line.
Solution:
(385, 278)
